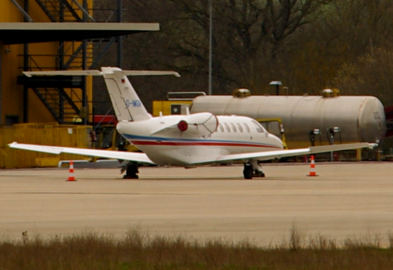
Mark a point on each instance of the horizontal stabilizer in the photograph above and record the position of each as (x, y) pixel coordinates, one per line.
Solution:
(94, 72)
(125, 101)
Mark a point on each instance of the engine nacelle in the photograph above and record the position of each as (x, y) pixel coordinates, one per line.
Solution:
(202, 124)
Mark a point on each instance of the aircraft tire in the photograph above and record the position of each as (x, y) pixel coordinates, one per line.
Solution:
(248, 171)
(131, 171)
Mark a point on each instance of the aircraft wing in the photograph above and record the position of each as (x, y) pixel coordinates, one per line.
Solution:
(121, 155)
(268, 155)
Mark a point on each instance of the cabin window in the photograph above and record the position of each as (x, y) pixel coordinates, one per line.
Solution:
(227, 127)
(233, 127)
(247, 128)
(239, 127)
(258, 127)
(221, 128)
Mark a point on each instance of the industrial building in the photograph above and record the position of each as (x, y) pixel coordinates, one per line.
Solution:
(53, 35)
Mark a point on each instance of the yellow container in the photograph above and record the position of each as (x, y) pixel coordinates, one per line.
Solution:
(45, 134)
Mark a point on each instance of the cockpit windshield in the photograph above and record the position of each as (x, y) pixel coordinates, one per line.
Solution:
(259, 128)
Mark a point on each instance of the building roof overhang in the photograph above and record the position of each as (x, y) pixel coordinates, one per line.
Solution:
(28, 32)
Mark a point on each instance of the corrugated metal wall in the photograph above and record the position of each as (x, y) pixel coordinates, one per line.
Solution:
(46, 134)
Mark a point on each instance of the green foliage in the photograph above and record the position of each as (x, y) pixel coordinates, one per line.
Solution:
(371, 74)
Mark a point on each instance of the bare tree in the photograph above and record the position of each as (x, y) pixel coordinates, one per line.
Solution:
(247, 35)
(247, 38)
(347, 31)
(303, 43)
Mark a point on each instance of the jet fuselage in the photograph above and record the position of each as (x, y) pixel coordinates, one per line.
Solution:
(170, 146)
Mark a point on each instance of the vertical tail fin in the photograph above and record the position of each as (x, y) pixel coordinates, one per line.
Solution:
(125, 101)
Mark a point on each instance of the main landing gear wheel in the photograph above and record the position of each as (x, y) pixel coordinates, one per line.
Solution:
(248, 171)
(131, 171)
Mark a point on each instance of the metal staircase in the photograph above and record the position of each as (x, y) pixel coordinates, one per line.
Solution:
(64, 97)
(64, 10)
(61, 105)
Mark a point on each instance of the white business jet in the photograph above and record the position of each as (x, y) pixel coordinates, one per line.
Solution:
(182, 140)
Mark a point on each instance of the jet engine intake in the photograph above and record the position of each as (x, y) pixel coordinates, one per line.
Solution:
(182, 126)
(202, 124)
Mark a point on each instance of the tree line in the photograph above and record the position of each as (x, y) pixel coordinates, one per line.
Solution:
(309, 45)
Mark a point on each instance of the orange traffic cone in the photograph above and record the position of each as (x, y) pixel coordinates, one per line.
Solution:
(71, 176)
(312, 167)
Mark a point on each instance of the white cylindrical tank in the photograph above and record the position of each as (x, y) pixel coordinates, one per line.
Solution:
(359, 118)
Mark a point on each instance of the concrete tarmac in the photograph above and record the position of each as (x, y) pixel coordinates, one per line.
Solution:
(345, 200)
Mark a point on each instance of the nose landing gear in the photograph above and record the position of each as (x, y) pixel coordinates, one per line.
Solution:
(131, 170)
